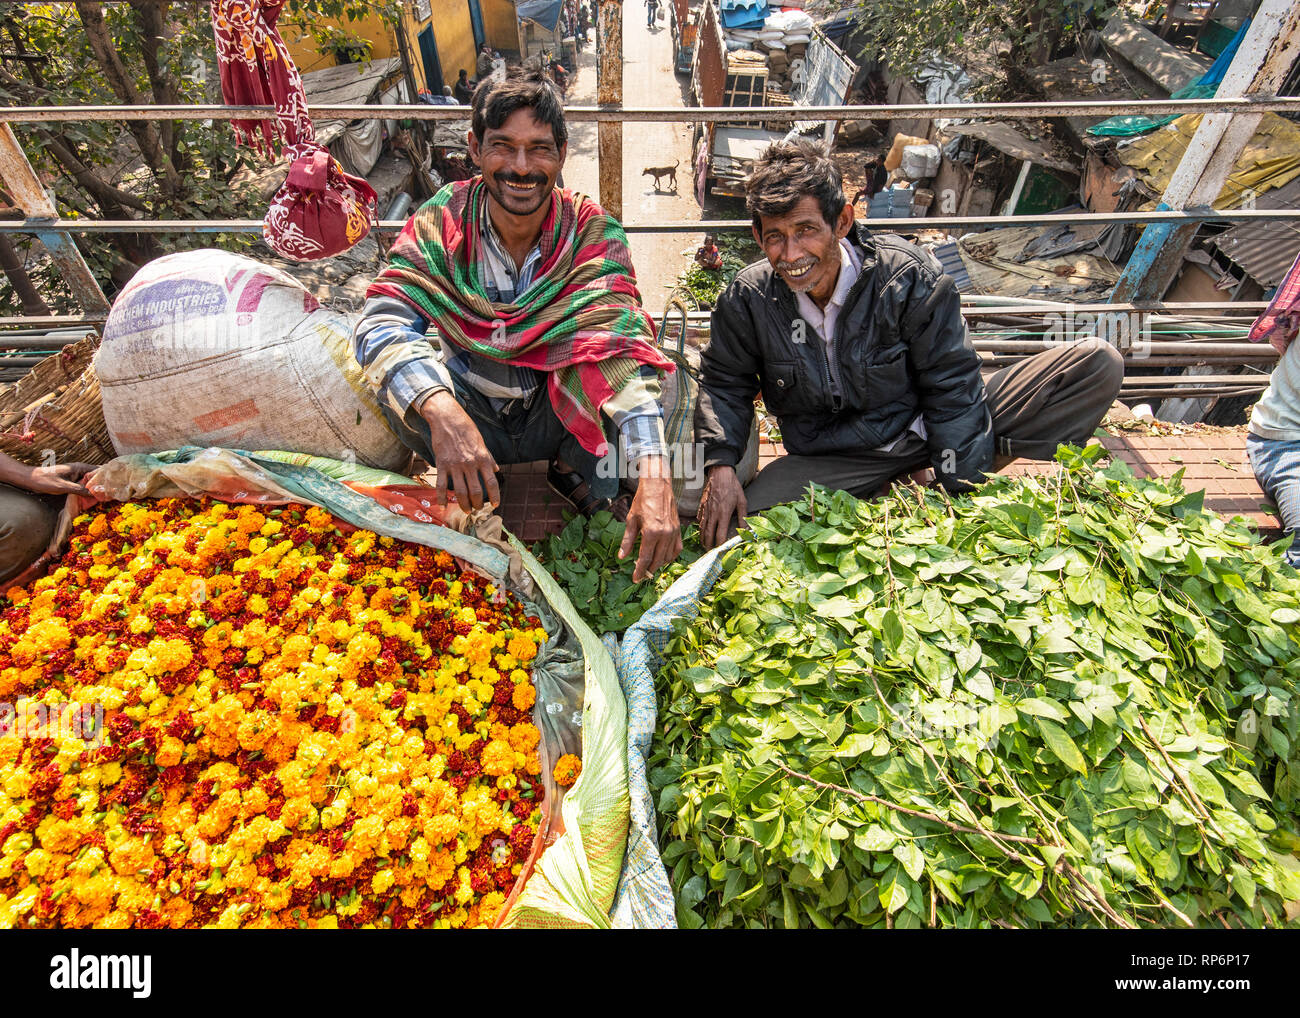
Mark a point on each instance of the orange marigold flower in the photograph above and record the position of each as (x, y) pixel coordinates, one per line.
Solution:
(522, 647)
(567, 769)
(524, 696)
(498, 758)
(524, 738)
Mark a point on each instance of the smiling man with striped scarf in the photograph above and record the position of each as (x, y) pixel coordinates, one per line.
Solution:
(531, 293)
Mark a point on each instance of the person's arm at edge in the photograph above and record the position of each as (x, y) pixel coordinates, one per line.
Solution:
(724, 412)
(959, 430)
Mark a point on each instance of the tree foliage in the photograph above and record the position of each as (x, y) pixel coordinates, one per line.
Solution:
(904, 34)
(96, 54)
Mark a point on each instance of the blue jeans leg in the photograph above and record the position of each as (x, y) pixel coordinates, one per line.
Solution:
(1277, 469)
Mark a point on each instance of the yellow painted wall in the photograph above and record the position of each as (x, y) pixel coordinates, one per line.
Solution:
(453, 31)
(302, 45)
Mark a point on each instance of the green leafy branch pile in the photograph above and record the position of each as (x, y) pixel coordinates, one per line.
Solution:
(1066, 700)
(584, 560)
(706, 285)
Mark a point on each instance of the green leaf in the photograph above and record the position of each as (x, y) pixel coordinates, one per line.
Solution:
(893, 890)
(910, 856)
(1208, 647)
(1061, 745)
(874, 838)
(892, 628)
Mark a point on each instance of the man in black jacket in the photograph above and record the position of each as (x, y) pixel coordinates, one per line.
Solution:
(858, 346)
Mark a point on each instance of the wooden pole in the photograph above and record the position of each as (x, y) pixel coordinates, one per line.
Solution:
(24, 187)
(609, 93)
(1259, 68)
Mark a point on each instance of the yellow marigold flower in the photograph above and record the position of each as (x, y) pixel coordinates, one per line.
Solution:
(498, 758)
(441, 829)
(567, 769)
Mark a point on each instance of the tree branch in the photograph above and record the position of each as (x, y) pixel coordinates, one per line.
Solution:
(119, 79)
(110, 199)
(154, 29)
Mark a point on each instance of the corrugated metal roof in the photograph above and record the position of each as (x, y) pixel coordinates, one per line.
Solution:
(1267, 249)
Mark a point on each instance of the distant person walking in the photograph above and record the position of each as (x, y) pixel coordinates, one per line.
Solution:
(651, 11)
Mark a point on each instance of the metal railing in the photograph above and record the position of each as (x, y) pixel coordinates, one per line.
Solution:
(50, 228)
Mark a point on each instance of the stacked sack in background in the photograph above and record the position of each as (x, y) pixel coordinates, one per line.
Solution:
(783, 40)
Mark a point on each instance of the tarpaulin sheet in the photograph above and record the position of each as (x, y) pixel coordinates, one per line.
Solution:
(639, 658)
(1270, 159)
(544, 13)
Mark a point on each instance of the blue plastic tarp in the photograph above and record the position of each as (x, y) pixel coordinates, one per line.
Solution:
(543, 13)
(645, 895)
(743, 13)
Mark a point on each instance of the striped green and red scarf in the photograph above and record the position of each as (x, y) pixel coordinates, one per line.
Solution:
(581, 321)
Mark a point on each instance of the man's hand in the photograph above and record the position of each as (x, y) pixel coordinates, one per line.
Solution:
(654, 517)
(63, 479)
(723, 499)
(462, 459)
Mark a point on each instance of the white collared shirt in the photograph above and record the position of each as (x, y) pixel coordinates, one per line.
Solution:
(823, 322)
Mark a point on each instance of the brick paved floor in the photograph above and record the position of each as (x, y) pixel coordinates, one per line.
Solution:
(1213, 462)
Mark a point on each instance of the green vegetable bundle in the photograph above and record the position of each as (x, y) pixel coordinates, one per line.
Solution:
(584, 560)
(1066, 700)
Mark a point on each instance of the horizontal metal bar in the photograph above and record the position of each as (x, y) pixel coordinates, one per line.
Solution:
(1206, 215)
(671, 114)
(1158, 381)
(37, 342)
(1157, 307)
(1207, 393)
(682, 226)
(1139, 350)
(1167, 310)
(51, 321)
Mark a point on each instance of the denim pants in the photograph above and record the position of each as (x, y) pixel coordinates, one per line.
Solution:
(1277, 469)
(527, 431)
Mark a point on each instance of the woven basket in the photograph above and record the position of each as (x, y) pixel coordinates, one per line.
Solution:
(54, 412)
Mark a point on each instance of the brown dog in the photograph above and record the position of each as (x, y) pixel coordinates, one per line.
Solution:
(663, 171)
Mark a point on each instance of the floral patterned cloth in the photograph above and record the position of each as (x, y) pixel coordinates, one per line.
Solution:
(319, 211)
(1280, 323)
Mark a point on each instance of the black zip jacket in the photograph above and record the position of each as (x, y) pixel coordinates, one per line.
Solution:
(901, 349)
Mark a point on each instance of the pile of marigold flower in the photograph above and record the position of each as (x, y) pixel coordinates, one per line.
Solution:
(303, 726)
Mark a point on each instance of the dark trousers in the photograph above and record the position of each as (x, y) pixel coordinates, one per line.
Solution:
(26, 526)
(1056, 396)
(524, 434)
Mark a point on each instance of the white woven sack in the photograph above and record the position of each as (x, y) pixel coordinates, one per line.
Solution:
(210, 348)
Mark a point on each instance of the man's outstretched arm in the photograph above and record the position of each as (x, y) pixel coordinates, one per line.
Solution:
(409, 378)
